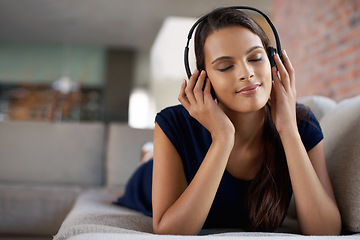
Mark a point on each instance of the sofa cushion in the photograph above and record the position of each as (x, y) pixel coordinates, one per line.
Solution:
(28, 210)
(319, 105)
(62, 153)
(341, 129)
(123, 152)
(94, 212)
(94, 215)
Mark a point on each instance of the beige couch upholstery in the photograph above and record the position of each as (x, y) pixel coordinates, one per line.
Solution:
(44, 167)
(342, 148)
(52, 153)
(341, 127)
(48, 166)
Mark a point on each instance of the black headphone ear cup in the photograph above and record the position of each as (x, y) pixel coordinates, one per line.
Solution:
(271, 53)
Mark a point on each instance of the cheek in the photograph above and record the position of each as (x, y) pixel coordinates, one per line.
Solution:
(269, 79)
(219, 83)
(267, 75)
(268, 83)
(214, 79)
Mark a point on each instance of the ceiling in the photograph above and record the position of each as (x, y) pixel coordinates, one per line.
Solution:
(112, 23)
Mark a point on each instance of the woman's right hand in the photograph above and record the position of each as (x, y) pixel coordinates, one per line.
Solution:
(201, 106)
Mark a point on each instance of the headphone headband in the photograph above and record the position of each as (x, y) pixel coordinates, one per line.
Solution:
(186, 52)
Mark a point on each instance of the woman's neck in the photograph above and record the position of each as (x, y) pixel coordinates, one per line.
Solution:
(245, 159)
(248, 126)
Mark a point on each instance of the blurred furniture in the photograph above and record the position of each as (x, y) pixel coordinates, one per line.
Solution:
(45, 166)
(41, 102)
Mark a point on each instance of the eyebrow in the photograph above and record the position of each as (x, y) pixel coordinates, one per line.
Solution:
(228, 57)
(222, 58)
(252, 49)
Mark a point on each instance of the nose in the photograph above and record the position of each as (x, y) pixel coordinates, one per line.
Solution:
(246, 73)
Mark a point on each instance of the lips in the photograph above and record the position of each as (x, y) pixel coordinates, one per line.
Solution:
(249, 89)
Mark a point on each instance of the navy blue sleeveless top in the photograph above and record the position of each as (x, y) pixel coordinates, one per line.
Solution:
(192, 142)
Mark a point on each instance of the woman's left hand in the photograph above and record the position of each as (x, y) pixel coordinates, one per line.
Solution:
(283, 95)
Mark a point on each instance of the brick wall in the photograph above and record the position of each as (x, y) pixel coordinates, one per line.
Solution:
(322, 39)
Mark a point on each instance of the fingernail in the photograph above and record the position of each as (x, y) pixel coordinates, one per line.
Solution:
(284, 52)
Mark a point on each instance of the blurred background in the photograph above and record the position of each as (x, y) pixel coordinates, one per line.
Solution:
(122, 60)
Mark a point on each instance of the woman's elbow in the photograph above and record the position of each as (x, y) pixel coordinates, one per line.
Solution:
(335, 225)
(157, 229)
(326, 227)
(161, 229)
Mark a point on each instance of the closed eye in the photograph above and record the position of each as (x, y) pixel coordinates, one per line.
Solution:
(225, 69)
(256, 59)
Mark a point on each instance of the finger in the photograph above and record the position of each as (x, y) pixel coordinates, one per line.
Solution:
(289, 68)
(192, 80)
(182, 96)
(190, 87)
(198, 89)
(207, 89)
(273, 98)
(284, 76)
(273, 92)
(277, 84)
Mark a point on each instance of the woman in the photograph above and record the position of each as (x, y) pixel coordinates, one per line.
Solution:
(236, 161)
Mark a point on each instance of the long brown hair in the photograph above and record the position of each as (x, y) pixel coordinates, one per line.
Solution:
(270, 191)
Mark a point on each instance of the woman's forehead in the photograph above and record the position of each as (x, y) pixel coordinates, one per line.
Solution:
(230, 39)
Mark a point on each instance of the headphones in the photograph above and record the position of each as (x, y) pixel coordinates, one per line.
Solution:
(270, 50)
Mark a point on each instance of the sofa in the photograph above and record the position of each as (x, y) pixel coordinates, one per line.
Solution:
(45, 167)
(58, 180)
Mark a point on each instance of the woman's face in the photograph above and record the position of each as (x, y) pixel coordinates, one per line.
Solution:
(238, 68)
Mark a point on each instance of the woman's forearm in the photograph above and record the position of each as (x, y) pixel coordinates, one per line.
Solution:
(317, 211)
(188, 213)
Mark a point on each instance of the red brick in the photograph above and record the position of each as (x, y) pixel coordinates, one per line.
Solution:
(323, 45)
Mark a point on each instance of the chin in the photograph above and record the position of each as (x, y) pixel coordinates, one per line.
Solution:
(246, 106)
(252, 107)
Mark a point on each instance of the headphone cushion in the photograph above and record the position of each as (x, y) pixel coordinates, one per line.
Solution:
(271, 53)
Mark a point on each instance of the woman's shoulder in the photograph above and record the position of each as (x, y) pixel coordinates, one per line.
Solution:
(308, 126)
(304, 114)
(176, 109)
(173, 113)
(178, 118)
(173, 109)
